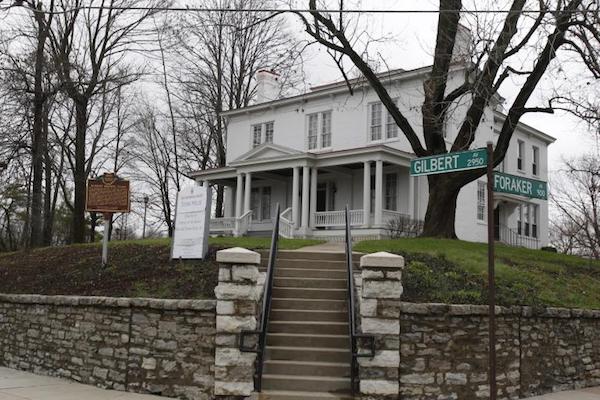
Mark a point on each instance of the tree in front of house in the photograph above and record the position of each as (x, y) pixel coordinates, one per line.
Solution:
(516, 44)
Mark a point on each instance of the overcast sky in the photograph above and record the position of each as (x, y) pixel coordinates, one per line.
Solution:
(411, 46)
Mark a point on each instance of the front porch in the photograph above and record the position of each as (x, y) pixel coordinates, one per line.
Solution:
(313, 189)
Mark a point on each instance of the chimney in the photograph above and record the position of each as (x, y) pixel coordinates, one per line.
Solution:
(267, 86)
(463, 46)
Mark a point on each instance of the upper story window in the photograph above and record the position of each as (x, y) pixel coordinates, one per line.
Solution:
(481, 189)
(262, 133)
(520, 154)
(377, 123)
(319, 130)
(535, 160)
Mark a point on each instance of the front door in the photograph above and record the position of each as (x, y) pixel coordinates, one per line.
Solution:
(326, 196)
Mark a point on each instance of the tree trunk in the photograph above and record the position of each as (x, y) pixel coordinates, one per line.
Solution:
(48, 209)
(441, 207)
(79, 173)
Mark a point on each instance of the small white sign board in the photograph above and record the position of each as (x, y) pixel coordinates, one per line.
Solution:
(192, 223)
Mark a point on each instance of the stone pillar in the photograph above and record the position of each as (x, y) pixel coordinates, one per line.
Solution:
(295, 198)
(313, 196)
(378, 194)
(367, 194)
(237, 296)
(247, 192)
(380, 316)
(305, 199)
(239, 193)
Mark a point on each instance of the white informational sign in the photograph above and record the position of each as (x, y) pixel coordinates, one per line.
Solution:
(192, 223)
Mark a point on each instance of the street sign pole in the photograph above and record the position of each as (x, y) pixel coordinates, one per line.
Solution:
(491, 272)
(107, 219)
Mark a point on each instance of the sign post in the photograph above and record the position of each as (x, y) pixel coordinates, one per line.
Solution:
(107, 195)
(491, 272)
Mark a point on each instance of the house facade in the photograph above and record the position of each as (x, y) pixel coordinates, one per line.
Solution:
(315, 153)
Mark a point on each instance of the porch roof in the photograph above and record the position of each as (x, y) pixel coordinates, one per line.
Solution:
(289, 158)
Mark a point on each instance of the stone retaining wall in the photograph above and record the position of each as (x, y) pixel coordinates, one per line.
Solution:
(142, 345)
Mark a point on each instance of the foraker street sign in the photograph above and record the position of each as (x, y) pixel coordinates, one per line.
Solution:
(449, 162)
(532, 188)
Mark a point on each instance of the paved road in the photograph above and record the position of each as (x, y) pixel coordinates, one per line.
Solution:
(19, 385)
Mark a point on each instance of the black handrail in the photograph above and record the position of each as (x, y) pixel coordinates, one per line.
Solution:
(259, 348)
(354, 336)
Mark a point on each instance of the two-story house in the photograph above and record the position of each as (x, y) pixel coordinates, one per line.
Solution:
(317, 152)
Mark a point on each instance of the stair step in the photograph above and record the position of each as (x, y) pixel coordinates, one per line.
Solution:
(318, 368)
(303, 383)
(318, 283)
(301, 395)
(309, 304)
(339, 265)
(329, 354)
(310, 293)
(309, 327)
(307, 340)
(310, 315)
(315, 255)
(284, 272)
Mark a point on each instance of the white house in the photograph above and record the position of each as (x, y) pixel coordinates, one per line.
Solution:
(318, 152)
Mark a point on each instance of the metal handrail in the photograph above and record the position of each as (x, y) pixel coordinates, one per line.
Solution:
(259, 349)
(513, 238)
(352, 329)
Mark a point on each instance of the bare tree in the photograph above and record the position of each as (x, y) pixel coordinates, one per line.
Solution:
(571, 27)
(576, 197)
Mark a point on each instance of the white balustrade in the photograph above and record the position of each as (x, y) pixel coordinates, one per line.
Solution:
(286, 224)
(337, 218)
(222, 225)
(390, 215)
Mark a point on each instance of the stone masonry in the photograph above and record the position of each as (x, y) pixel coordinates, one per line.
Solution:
(142, 345)
(238, 294)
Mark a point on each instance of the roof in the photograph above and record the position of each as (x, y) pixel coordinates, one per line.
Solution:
(500, 116)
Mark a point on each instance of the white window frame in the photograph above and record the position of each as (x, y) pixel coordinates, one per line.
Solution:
(481, 200)
(313, 131)
(325, 131)
(535, 160)
(256, 140)
(318, 134)
(372, 125)
(259, 211)
(269, 133)
(520, 155)
(262, 136)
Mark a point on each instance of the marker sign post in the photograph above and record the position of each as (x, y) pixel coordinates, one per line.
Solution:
(107, 195)
(192, 223)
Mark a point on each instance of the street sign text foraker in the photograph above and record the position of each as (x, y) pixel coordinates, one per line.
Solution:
(449, 162)
(532, 188)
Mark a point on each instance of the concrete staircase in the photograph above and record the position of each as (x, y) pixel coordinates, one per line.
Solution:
(308, 345)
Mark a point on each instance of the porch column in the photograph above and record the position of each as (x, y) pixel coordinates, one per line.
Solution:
(295, 198)
(305, 191)
(411, 196)
(228, 200)
(247, 191)
(367, 194)
(378, 192)
(239, 192)
(313, 196)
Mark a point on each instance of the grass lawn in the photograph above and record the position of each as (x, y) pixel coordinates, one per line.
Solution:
(453, 271)
(140, 268)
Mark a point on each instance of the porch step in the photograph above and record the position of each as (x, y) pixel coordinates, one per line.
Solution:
(316, 368)
(307, 340)
(311, 264)
(309, 304)
(301, 395)
(330, 354)
(309, 327)
(301, 383)
(315, 255)
(318, 283)
(308, 315)
(309, 293)
(284, 272)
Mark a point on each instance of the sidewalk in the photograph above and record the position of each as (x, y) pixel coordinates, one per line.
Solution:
(583, 394)
(19, 385)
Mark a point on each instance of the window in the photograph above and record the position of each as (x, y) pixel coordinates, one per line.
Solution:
(391, 129)
(313, 123)
(527, 220)
(481, 189)
(256, 135)
(376, 121)
(520, 155)
(267, 128)
(520, 221)
(535, 161)
(260, 203)
(326, 129)
(534, 227)
(269, 132)
(391, 192)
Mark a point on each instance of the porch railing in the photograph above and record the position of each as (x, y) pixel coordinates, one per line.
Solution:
(243, 223)
(286, 225)
(513, 238)
(338, 218)
(225, 224)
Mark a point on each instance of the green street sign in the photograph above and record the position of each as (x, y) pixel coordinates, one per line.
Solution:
(532, 188)
(449, 162)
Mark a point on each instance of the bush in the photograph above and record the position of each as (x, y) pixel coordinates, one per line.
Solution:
(550, 249)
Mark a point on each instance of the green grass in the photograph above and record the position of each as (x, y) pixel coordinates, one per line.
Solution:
(454, 271)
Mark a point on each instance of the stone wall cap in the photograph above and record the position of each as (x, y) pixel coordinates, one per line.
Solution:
(238, 255)
(382, 259)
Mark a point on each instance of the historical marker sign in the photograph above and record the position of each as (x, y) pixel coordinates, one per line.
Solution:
(192, 223)
(108, 194)
(449, 162)
(532, 188)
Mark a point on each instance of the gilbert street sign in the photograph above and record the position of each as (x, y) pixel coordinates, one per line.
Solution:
(532, 188)
(449, 162)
